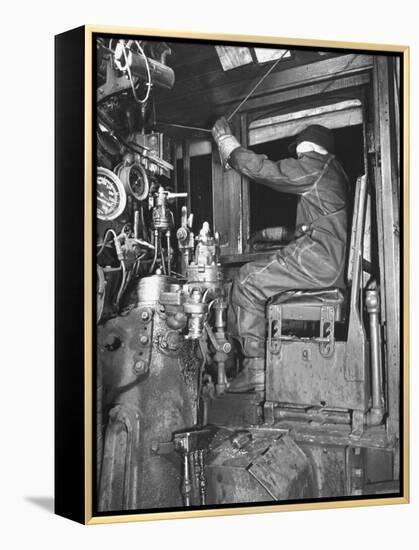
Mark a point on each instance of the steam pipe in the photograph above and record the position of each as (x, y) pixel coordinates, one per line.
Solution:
(161, 75)
(156, 249)
(169, 254)
(136, 223)
(376, 413)
(162, 259)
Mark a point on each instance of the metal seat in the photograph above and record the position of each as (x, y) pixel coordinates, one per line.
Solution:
(306, 305)
(310, 366)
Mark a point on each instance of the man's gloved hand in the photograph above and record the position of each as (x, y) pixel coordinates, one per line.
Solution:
(225, 140)
(221, 128)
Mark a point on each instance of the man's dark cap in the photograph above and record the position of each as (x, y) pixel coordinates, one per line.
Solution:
(316, 134)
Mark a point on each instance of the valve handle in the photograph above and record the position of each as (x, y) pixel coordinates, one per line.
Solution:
(176, 195)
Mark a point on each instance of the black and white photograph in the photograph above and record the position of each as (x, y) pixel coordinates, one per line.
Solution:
(210, 300)
(248, 262)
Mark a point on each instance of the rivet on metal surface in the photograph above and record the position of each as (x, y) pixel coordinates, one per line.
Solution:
(226, 347)
(306, 354)
(140, 367)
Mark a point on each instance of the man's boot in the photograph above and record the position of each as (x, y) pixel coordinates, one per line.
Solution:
(251, 378)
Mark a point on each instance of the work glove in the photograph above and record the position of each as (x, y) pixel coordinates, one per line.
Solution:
(221, 128)
(224, 139)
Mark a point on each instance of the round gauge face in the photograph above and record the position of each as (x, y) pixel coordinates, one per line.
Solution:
(111, 197)
(138, 182)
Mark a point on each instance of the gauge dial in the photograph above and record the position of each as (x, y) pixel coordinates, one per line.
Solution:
(111, 196)
(135, 180)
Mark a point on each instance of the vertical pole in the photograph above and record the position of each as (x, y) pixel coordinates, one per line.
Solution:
(187, 172)
(173, 154)
(245, 191)
(388, 213)
(227, 202)
(218, 204)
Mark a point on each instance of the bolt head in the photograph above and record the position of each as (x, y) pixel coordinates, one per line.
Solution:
(144, 315)
(144, 340)
(140, 367)
(227, 347)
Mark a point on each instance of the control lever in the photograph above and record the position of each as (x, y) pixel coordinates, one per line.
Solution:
(185, 239)
(162, 223)
(175, 195)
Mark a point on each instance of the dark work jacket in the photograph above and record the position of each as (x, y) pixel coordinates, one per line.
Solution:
(322, 186)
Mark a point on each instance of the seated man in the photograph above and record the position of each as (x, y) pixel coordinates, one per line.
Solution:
(314, 259)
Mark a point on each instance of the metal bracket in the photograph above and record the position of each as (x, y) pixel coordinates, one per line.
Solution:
(113, 84)
(326, 338)
(141, 363)
(170, 343)
(162, 447)
(355, 471)
(268, 413)
(327, 331)
(358, 421)
(274, 329)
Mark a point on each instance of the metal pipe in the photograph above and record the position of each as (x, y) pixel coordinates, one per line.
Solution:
(184, 126)
(122, 287)
(156, 250)
(219, 307)
(144, 67)
(221, 378)
(136, 223)
(186, 483)
(376, 413)
(169, 254)
(197, 472)
(334, 417)
(256, 86)
(163, 266)
(202, 479)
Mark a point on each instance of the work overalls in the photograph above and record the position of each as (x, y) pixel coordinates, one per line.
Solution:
(315, 260)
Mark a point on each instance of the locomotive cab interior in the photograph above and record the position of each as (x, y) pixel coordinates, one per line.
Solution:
(174, 225)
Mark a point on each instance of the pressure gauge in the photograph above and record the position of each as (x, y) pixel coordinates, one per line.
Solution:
(135, 180)
(111, 195)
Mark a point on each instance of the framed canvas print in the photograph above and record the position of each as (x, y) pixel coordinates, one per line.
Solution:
(231, 274)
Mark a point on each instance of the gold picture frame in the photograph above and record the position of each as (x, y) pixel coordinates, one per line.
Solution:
(75, 390)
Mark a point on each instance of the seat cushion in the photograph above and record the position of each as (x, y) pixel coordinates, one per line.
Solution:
(306, 304)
